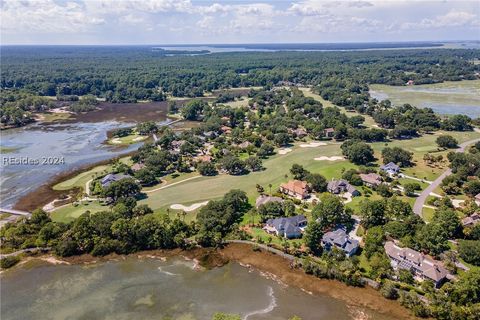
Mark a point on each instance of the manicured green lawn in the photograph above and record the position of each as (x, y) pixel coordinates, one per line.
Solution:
(364, 263)
(209, 188)
(419, 147)
(81, 179)
(242, 102)
(70, 212)
(404, 181)
(427, 214)
(258, 233)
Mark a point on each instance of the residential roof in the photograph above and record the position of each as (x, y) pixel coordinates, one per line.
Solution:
(263, 199)
(112, 177)
(329, 130)
(408, 258)
(137, 166)
(203, 158)
(244, 144)
(300, 132)
(337, 186)
(288, 225)
(471, 220)
(340, 239)
(390, 166)
(371, 178)
(295, 186)
(477, 197)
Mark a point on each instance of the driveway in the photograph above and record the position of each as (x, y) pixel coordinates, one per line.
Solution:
(418, 206)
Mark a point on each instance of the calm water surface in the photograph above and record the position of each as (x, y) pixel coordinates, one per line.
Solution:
(77, 144)
(154, 289)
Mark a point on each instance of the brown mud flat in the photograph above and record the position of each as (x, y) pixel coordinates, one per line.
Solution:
(45, 193)
(268, 262)
(125, 112)
(262, 261)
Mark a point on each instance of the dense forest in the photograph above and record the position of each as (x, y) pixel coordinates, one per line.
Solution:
(129, 74)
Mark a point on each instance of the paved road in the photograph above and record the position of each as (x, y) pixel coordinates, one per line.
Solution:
(418, 206)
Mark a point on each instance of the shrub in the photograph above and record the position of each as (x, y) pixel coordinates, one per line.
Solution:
(9, 262)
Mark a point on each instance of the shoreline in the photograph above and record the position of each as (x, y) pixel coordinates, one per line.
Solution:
(45, 193)
(268, 264)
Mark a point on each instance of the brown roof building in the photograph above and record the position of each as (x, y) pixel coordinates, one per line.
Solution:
(295, 188)
(371, 179)
(203, 158)
(420, 265)
(329, 132)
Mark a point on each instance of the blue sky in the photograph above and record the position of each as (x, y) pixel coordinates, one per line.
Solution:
(189, 21)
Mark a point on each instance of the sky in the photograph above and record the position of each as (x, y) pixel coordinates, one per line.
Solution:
(102, 22)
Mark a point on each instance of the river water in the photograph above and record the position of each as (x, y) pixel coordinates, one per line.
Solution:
(47, 150)
(154, 289)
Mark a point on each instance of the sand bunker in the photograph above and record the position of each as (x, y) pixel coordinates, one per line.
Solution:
(189, 208)
(312, 144)
(334, 158)
(284, 150)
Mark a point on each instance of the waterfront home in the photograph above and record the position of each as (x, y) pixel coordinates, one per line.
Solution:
(340, 239)
(264, 199)
(421, 266)
(113, 177)
(342, 186)
(472, 220)
(371, 179)
(288, 227)
(390, 168)
(295, 188)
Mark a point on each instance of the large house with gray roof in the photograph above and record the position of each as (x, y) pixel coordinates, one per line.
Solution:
(288, 227)
(113, 177)
(340, 239)
(390, 168)
(420, 265)
(342, 186)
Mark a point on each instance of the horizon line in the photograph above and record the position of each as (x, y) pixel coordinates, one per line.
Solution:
(244, 43)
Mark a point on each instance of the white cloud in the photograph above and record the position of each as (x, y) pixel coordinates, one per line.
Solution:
(131, 19)
(245, 21)
(46, 16)
(453, 18)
